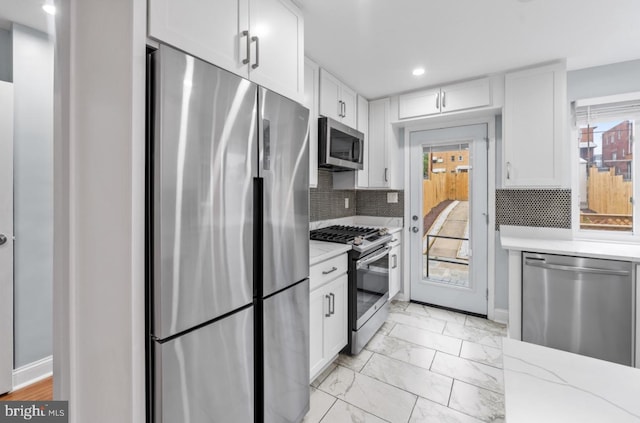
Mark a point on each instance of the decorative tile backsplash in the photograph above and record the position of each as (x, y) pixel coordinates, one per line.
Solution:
(374, 203)
(539, 208)
(326, 203)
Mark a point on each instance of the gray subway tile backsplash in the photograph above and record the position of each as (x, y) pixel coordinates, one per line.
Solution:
(327, 203)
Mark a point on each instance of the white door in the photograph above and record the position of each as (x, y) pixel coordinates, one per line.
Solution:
(449, 231)
(6, 236)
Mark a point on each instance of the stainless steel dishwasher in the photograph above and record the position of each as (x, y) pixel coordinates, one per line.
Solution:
(581, 305)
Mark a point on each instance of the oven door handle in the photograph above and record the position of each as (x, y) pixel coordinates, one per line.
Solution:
(369, 259)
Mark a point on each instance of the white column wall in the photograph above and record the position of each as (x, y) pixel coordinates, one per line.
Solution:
(99, 210)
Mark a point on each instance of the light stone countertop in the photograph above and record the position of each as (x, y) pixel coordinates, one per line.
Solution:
(544, 241)
(547, 385)
(320, 251)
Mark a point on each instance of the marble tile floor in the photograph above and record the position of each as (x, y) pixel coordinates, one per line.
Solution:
(424, 365)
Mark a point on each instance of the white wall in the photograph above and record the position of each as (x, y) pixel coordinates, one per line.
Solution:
(599, 81)
(33, 194)
(99, 209)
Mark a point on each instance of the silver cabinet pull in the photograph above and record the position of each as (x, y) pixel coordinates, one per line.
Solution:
(444, 99)
(332, 304)
(340, 108)
(344, 109)
(508, 170)
(248, 58)
(438, 100)
(395, 261)
(257, 63)
(326, 272)
(329, 305)
(386, 174)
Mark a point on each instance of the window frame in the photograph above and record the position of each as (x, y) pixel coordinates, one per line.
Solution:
(605, 235)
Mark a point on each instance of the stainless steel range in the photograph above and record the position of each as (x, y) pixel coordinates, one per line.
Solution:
(368, 279)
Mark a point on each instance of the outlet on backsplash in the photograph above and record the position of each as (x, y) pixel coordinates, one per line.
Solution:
(392, 197)
(346, 202)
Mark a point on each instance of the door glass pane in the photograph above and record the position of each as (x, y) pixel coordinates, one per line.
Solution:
(445, 211)
(605, 176)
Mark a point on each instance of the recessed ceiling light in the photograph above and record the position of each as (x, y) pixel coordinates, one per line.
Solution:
(49, 9)
(418, 71)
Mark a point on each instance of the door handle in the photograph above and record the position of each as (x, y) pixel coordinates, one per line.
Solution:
(266, 136)
(340, 108)
(386, 174)
(248, 58)
(395, 261)
(344, 109)
(329, 305)
(508, 170)
(257, 63)
(415, 229)
(3, 239)
(438, 100)
(332, 304)
(444, 99)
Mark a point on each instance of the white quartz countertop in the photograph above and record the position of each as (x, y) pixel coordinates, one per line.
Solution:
(548, 385)
(320, 251)
(543, 241)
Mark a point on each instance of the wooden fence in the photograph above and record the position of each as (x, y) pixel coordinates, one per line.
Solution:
(608, 193)
(444, 186)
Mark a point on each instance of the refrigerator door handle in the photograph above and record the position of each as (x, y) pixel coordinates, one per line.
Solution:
(266, 137)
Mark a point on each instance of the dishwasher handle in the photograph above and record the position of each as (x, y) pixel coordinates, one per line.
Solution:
(541, 263)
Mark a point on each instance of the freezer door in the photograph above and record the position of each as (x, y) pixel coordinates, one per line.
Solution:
(286, 355)
(207, 375)
(205, 149)
(284, 165)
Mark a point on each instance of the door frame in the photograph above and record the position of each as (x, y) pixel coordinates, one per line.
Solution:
(442, 123)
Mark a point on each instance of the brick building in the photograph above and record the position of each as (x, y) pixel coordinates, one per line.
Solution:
(616, 149)
(587, 144)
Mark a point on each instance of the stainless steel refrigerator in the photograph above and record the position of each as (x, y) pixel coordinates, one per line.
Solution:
(227, 229)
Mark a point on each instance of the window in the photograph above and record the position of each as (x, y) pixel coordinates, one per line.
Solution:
(459, 158)
(453, 158)
(606, 169)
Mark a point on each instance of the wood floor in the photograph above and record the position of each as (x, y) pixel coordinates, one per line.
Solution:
(39, 391)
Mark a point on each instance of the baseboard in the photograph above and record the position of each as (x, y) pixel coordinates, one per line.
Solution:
(501, 315)
(32, 372)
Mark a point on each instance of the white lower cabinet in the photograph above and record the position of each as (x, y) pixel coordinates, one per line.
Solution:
(395, 265)
(328, 323)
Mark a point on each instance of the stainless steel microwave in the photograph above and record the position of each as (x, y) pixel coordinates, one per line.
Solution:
(340, 147)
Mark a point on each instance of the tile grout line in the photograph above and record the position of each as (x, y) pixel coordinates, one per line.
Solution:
(335, 400)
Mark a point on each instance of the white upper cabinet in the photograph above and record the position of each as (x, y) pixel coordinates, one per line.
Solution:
(534, 127)
(379, 131)
(362, 176)
(450, 98)
(419, 103)
(337, 101)
(277, 57)
(262, 40)
(311, 94)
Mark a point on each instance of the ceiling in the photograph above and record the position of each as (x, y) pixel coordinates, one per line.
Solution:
(25, 12)
(373, 45)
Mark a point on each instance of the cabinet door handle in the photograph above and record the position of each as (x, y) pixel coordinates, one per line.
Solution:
(344, 109)
(395, 261)
(257, 63)
(444, 99)
(248, 58)
(326, 272)
(386, 174)
(508, 170)
(438, 100)
(332, 304)
(328, 305)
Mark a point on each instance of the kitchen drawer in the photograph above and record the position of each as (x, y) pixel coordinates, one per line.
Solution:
(328, 270)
